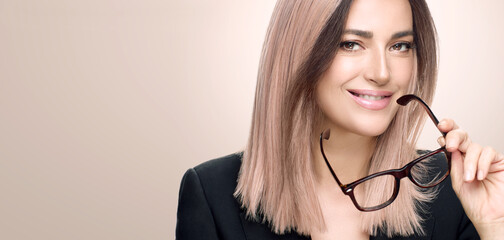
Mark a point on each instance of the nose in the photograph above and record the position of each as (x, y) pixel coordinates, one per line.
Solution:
(377, 69)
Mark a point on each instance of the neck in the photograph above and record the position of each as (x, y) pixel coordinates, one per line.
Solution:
(349, 155)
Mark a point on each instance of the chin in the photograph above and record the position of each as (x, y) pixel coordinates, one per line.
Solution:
(371, 128)
(373, 132)
(362, 123)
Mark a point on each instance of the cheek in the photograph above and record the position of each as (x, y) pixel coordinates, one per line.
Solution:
(341, 71)
(344, 69)
(402, 71)
(331, 85)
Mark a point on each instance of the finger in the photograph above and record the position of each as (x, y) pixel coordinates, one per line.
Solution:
(457, 140)
(441, 141)
(500, 157)
(497, 164)
(447, 125)
(471, 160)
(488, 155)
(457, 171)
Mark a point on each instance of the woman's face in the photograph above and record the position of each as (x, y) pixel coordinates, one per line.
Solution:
(372, 68)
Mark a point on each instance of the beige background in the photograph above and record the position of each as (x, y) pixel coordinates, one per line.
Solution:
(105, 103)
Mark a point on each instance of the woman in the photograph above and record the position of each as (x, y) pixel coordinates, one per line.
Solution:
(341, 65)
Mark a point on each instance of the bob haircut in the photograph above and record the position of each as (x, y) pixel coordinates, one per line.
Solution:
(276, 181)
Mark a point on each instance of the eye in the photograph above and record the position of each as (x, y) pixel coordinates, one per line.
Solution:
(401, 47)
(350, 46)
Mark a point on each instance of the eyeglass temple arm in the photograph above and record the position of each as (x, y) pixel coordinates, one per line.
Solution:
(325, 135)
(404, 100)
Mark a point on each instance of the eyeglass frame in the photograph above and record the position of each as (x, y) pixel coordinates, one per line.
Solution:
(398, 174)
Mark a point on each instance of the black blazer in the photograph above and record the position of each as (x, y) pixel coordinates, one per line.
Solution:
(208, 210)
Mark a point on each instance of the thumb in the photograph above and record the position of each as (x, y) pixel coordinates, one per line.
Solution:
(457, 171)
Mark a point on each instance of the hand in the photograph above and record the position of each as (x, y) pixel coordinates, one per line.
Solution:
(477, 175)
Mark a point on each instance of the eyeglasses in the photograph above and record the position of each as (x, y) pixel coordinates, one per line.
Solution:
(427, 171)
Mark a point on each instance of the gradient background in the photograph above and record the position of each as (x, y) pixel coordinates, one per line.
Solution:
(104, 104)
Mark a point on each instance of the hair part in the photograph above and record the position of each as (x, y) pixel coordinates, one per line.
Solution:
(276, 182)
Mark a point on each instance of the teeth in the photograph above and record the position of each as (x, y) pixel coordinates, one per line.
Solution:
(372, 98)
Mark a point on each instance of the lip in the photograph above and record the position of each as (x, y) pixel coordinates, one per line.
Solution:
(371, 104)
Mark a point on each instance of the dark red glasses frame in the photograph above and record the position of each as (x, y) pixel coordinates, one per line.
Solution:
(398, 174)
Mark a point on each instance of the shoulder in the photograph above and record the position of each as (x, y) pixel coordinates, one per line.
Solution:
(220, 167)
(207, 202)
(207, 208)
(217, 177)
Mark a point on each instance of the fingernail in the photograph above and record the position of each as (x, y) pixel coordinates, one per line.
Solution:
(480, 175)
(467, 176)
(442, 123)
(441, 141)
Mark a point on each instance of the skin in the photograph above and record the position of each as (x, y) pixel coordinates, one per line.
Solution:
(372, 58)
(383, 61)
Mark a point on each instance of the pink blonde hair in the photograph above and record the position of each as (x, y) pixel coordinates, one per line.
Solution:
(276, 181)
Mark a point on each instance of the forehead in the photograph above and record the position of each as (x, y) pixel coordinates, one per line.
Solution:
(380, 16)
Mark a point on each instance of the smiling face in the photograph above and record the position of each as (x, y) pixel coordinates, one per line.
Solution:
(372, 68)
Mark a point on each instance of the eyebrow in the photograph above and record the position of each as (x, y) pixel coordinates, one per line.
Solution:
(368, 34)
(403, 34)
(361, 33)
